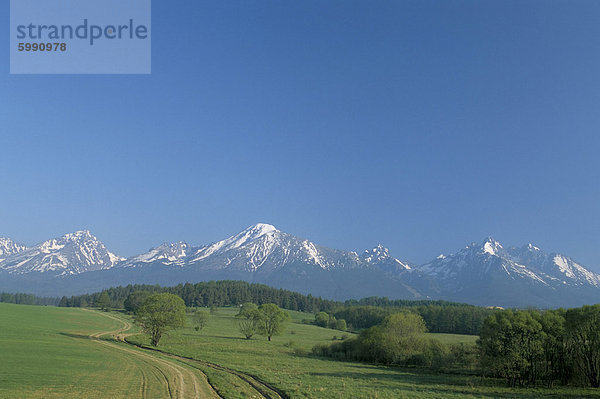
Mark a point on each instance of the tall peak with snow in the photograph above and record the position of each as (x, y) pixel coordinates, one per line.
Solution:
(380, 257)
(259, 229)
(492, 247)
(79, 235)
(532, 248)
(168, 253)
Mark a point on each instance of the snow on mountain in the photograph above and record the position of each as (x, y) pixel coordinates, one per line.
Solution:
(262, 247)
(72, 253)
(486, 273)
(380, 257)
(8, 247)
(167, 253)
(259, 240)
(492, 247)
(490, 260)
(557, 267)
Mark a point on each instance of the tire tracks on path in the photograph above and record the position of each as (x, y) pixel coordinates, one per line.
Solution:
(263, 389)
(180, 382)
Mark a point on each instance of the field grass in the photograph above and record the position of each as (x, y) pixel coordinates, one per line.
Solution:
(285, 364)
(44, 355)
(454, 338)
(46, 352)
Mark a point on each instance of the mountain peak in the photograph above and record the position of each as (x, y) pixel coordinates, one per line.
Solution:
(260, 229)
(491, 246)
(78, 235)
(380, 256)
(73, 253)
(378, 252)
(531, 247)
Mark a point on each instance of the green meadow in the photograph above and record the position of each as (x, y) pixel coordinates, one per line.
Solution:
(47, 352)
(45, 355)
(286, 364)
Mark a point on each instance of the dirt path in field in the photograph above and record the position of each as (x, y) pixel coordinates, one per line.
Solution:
(179, 382)
(263, 390)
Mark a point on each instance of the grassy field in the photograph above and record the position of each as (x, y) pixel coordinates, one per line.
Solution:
(46, 352)
(284, 364)
(454, 338)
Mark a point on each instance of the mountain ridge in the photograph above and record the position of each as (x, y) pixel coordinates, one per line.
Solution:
(486, 273)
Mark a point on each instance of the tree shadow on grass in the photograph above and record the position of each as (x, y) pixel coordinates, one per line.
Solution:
(213, 336)
(73, 335)
(86, 337)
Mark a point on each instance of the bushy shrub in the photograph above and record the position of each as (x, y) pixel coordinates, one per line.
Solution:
(399, 340)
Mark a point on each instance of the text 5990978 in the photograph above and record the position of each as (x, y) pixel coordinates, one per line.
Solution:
(42, 47)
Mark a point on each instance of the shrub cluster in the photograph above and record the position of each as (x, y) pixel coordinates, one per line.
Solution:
(399, 340)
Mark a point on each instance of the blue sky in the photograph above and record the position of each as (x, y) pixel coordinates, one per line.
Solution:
(421, 125)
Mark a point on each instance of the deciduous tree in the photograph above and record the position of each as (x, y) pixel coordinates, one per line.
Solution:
(200, 319)
(160, 313)
(103, 301)
(272, 319)
(583, 328)
(248, 319)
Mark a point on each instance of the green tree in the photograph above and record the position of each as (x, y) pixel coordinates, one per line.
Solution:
(200, 319)
(332, 322)
(103, 301)
(321, 319)
(399, 338)
(512, 346)
(272, 319)
(558, 359)
(340, 324)
(583, 329)
(248, 319)
(63, 302)
(135, 300)
(160, 313)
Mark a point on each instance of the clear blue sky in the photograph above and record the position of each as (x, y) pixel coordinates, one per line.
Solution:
(421, 125)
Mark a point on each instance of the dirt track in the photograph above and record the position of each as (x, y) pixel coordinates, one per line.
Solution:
(178, 382)
(181, 377)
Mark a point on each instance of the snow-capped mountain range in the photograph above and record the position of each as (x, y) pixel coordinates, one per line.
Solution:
(73, 253)
(485, 273)
(514, 276)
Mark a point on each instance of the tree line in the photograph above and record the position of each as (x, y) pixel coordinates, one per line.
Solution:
(525, 347)
(27, 299)
(213, 294)
(439, 316)
(529, 347)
